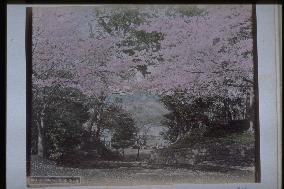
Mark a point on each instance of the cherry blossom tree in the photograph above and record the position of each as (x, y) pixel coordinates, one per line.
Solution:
(205, 50)
(211, 48)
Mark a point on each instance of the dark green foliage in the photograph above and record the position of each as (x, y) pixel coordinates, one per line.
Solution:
(105, 115)
(216, 40)
(62, 74)
(130, 52)
(190, 10)
(142, 69)
(186, 115)
(124, 132)
(198, 116)
(244, 32)
(122, 20)
(141, 40)
(230, 149)
(63, 118)
(175, 120)
(63, 130)
(247, 54)
(146, 38)
(233, 126)
(185, 11)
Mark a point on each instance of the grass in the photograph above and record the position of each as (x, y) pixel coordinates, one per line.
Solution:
(235, 138)
(239, 138)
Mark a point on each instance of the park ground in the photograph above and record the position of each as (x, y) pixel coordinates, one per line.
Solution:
(141, 173)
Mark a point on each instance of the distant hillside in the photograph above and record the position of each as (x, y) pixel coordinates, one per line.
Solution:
(145, 108)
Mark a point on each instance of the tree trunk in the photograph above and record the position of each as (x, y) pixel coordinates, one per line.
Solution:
(228, 115)
(251, 113)
(40, 142)
(97, 138)
(138, 150)
(40, 138)
(99, 121)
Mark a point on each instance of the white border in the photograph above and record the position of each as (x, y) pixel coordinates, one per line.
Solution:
(16, 103)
